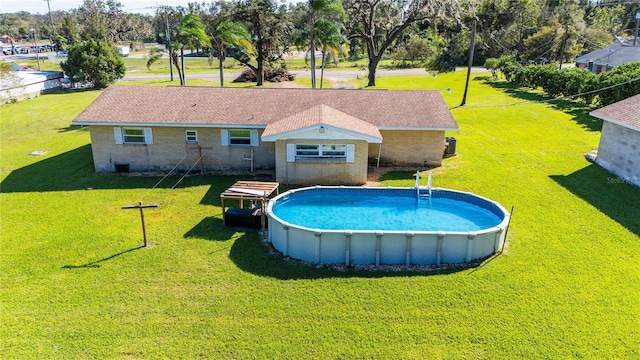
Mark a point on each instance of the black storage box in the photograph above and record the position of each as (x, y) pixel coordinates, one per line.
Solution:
(246, 218)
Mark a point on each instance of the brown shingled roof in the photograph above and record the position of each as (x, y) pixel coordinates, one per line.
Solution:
(257, 107)
(321, 115)
(625, 112)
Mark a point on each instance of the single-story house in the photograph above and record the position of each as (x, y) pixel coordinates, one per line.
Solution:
(22, 84)
(619, 149)
(307, 136)
(621, 52)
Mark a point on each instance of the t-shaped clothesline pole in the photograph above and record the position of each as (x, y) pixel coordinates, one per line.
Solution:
(142, 207)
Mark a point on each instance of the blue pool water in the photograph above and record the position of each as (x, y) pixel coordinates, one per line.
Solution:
(379, 210)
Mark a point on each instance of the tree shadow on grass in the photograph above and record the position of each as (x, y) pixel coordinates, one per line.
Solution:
(73, 128)
(211, 229)
(615, 198)
(212, 197)
(579, 112)
(398, 176)
(258, 257)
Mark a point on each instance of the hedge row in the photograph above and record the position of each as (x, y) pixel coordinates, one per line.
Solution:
(599, 89)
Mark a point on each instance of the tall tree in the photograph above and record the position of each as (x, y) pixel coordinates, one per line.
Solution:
(103, 20)
(94, 62)
(229, 34)
(192, 34)
(329, 36)
(165, 24)
(503, 25)
(14, 26)
(318, 8)
(68, 33)
(267, 26)
(378, 23)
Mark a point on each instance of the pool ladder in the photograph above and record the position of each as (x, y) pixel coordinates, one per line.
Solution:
(423, 193)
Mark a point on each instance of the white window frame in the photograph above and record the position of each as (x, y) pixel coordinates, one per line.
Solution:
(307, 150)
(227, 138)
(191, 136)
(121, 136)
(320, 151)
(328, 150)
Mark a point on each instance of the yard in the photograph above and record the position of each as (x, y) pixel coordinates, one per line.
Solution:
(76, 283)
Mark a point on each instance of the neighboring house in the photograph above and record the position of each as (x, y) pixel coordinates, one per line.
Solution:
(23, 84)
(307, 136)
(619, 149)
(621, 52)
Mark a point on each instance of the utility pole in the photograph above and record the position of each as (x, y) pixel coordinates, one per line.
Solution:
(635, 38)
(564, 43)
(470, 63)
(35, 44)
(53, 28)
(166, 16)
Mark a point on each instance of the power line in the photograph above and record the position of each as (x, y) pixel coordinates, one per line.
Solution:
(568, 97)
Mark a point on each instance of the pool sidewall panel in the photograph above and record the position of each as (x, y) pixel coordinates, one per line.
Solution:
(372, 247)
(454, 248)
(393, 248)
(483, 245)
(278, 237)
(363, 248)
(333, 248)
(302, 244)
(424, 249)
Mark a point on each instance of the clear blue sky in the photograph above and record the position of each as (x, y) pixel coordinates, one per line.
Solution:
(138, 6)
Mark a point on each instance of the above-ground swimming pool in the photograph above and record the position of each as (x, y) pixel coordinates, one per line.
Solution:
(385, 226)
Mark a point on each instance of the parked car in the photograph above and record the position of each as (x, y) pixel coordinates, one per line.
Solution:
(20, 50)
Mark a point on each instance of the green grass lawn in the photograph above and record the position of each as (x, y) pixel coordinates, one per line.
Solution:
(137, 65)
(75, 283)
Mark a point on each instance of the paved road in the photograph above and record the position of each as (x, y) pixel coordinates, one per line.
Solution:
(334, 74)
(338, 77)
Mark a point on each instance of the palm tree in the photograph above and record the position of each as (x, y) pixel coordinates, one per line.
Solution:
(191, 33)
(171, 50)
(331, 40)
(231, 34)
(316, 8)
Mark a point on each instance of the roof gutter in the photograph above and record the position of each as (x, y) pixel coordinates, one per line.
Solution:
(418, 128)
(615, 122)
(185, 125)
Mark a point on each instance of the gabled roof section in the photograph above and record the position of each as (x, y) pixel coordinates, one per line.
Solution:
(257, 107)
(613, 55)
(321, 116)
(624, 113)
